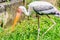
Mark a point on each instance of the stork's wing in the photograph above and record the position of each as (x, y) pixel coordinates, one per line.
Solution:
(42, 8)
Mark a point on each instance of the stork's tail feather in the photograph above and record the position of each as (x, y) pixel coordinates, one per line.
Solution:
(57, 14)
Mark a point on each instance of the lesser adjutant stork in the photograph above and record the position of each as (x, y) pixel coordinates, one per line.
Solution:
(41, 8)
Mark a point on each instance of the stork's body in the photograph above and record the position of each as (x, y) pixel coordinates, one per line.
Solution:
(40, 7)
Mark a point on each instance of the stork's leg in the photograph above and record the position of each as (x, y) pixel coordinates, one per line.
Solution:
(36, 15)
(28, 17)
(54, 23)
(38, 37)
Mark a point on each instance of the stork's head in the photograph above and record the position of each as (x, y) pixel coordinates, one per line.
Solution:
(24, 10)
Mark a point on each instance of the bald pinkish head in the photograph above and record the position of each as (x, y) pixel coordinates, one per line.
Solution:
(19, 10)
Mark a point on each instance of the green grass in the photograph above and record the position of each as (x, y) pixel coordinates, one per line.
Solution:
(27, 30)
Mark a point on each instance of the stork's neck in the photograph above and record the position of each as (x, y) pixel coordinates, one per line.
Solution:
(26, 12)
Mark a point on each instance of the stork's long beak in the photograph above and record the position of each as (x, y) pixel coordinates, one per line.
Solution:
(18, 15)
